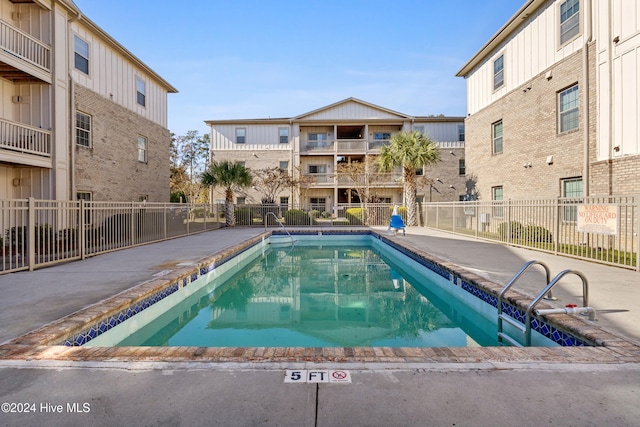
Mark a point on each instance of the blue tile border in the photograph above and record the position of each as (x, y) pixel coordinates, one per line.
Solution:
(557, 335)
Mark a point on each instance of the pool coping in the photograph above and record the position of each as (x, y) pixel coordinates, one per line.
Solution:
(44, 343)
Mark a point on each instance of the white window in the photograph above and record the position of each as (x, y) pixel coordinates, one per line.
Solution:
(497, 196)
(568, 109)
(318, 140)
(569, 20)
(284, 135)
(142, 149)
(460, 132)
(498, 72)
(81, 54)
(571, 189)
(241, 200)
(83, 129)
(83, 195)
(317, 169)
(241, 135)
(284, 200)
(497, 137)
(284, 165)
(141, 92)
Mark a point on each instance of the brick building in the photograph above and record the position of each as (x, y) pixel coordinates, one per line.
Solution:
(312, 145)
(80, 115)
(553, 101)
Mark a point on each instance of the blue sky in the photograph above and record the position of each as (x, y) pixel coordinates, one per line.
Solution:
(281, 58)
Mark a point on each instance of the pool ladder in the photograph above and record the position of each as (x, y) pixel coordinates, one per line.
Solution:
(281, 225)
(525, 327)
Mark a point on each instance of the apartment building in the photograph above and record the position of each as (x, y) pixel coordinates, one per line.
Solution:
(553, 102)
(312, 145)
(80, 115)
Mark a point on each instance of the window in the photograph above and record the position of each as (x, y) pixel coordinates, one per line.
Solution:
(241, 200)
(569, 20)
(568, 109)
(419, 129)
(284, 135)
(497, 137)
(141, 92)
(498, 72)
(461, 167)
(81, 54)
(85, 196)
(83, 129)
(241, 135)
(284, 200)
(460, 132)
(497, 197)
(571, 188)
(419, 171)
(144, 198)
(284, 165)
(317, 169)
(142, 149)
(318, 140)
(243, 164)
(381, 136)
(318, 203)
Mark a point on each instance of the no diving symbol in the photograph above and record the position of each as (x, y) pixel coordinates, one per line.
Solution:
(338, 375)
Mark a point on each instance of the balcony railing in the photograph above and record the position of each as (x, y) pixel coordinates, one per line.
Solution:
(24, 46)
(345, 145)
(376, 144)
(319, 179)
(308, 146)
(25, 139)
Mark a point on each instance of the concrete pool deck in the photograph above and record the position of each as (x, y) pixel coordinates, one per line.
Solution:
(419, 392)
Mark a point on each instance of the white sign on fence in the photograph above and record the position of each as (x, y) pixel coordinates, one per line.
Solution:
(600, 219)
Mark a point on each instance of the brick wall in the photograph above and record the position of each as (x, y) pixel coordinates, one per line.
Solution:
(110, 169)
(530, 136)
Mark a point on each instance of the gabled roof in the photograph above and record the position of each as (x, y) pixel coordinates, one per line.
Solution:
(380, 112)
(503, 33)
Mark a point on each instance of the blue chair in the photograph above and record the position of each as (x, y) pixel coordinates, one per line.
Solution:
(396, 223)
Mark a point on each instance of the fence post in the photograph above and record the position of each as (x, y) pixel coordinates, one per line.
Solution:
(556, 226)
(164, 219)
(637, 231)
(31, 233)
(82, 240)
(508, 221)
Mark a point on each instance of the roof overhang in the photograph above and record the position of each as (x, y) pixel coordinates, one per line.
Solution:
(503, 33)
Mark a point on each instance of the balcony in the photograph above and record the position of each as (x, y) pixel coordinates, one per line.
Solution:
(318, 179)
(393, 179)
(376, 144)
(25, 144)
(352, 146)
(314, 146)
(23, 59)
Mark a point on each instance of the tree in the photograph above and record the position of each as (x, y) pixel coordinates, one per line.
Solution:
(411, 151)
(189, 158)
(360, 176)
(269, 182)
(229, 176)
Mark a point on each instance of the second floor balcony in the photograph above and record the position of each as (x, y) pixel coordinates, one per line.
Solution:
(23, 58)
(24, 144)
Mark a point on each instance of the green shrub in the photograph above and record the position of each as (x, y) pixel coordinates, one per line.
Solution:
(326, 214)
(535, 233)
(510, 230)
(296, 217)
(355, 216)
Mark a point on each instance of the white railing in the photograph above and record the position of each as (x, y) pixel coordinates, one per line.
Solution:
(24, 138)
(345, 145)
(308, 146)
(319, 179)
(24, 46)
(38, 233)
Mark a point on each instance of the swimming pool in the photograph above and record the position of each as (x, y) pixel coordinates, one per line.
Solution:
(409, 303)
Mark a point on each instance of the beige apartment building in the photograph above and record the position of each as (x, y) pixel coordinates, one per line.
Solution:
(80, 115)
(553, 101)
(312, 145)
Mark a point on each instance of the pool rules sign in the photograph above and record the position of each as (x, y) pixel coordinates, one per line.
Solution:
(319, 376)
(599, 219)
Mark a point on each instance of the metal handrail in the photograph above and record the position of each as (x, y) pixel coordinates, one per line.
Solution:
(279, 222)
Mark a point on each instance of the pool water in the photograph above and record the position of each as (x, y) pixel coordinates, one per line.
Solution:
(348, 293)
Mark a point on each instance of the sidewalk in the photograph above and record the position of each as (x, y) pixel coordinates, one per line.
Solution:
(228, 394)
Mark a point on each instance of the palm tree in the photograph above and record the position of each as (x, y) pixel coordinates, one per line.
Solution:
(228, 175)
(411, 151)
